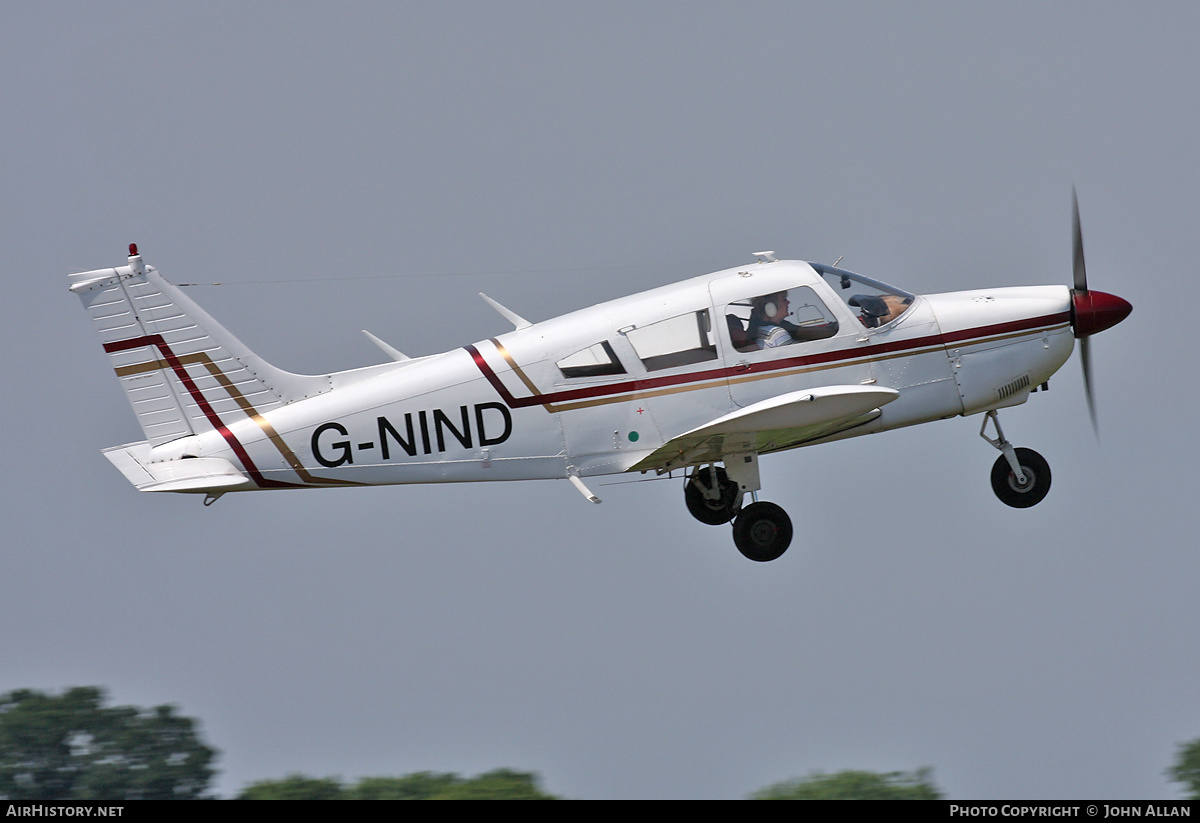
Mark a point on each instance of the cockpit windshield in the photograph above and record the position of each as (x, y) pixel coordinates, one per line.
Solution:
(875, 303)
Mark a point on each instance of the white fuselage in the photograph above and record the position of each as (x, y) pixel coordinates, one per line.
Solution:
(513, 407)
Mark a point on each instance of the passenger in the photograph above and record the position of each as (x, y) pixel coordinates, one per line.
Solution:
(741, 339)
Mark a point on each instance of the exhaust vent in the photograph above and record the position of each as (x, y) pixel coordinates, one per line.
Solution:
(1014, 386)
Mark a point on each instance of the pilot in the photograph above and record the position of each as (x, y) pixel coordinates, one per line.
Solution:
(767, 321)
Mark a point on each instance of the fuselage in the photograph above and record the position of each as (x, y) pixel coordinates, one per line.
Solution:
(598, 390)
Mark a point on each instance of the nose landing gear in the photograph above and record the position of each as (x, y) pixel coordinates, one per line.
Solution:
(1020, 477)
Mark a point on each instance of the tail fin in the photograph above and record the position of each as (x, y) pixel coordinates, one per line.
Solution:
(181, 370)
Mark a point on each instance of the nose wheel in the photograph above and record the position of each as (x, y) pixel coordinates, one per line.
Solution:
(1020, 477)
(1027, 490)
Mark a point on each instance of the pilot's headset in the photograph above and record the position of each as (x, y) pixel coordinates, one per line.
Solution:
(769, 304)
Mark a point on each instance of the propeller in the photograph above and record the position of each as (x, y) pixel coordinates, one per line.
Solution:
(1091, 311)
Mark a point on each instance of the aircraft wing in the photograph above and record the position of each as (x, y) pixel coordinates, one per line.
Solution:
(774, 424)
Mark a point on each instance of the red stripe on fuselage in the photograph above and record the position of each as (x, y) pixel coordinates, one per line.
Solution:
(723, 373)
(500, 388)
(1004, 328)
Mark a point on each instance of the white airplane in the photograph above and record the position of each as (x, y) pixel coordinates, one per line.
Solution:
(700, 377)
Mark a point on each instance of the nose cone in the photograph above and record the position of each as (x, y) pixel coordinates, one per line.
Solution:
(1095, 311)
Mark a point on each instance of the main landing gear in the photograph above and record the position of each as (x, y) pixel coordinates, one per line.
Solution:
(711, 496)
(761, 531)
(1020, 477)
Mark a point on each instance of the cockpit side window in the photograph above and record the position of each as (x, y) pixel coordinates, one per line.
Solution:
(768, 321)
(875, 303)
(594, 361)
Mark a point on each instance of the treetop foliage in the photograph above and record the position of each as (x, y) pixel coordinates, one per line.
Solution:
(295, 787)
(1186, 769)
(70, 747)
(500, 784)
(855, 785)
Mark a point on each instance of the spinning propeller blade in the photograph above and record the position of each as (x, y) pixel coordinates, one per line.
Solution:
(1091, 311)
(1077, 257)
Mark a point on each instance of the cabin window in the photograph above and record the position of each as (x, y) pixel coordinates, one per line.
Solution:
(874, 303)
(679, 341)
(594, 361)
(767, 321)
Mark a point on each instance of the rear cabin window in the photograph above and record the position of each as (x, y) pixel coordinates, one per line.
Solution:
(679, 341)
(594, 361)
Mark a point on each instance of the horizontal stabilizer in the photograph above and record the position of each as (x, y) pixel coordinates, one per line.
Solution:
(189, 474)
(771, 425)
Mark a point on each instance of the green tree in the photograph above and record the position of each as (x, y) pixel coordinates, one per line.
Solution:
(1187, 768)
(70, 747)
(416, 786)
(854, 785)
(295, 787)
(501, 784)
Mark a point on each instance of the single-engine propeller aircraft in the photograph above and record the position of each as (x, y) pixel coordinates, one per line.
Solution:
(700, 377)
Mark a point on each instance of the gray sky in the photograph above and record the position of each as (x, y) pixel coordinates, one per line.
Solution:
(556, 154)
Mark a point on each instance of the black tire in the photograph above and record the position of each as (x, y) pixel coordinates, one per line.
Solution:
(1037, 474)
(711, 512)
(762, 532)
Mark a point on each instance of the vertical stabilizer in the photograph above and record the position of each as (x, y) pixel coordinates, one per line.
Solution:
(182, 371)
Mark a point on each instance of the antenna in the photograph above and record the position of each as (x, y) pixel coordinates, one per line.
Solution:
(511, 316)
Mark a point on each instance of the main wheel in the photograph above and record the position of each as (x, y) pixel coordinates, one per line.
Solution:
(1021, 495)
(711, 512)
(762, 531)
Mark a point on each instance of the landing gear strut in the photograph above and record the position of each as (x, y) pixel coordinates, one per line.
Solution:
(711, 496)
(1020, 477)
